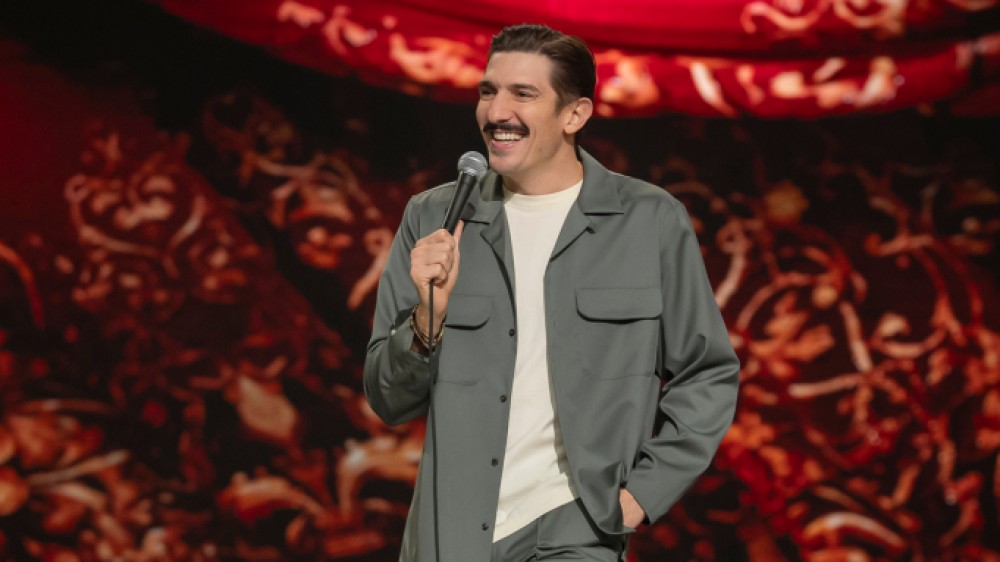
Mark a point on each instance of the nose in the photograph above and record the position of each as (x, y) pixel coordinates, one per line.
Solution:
(499, 109)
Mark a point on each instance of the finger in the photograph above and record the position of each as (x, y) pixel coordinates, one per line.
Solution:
(458, 238)
(432, 256)
(439, 236)
(432, 272)
(440, 276)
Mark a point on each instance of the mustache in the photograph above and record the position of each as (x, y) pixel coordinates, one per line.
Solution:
(490, 128)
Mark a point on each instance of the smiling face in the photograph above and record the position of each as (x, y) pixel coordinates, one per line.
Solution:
(528, 135)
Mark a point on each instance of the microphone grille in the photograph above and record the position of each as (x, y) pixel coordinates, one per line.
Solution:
(473, 163)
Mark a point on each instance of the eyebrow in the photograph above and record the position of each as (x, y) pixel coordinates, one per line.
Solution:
(524, 87)
(516, 86)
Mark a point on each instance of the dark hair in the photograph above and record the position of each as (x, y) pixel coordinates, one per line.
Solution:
(574, 72)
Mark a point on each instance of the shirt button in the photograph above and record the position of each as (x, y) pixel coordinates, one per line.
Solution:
(512, 332)
(486, 527)
(503, 397)
(494, 462)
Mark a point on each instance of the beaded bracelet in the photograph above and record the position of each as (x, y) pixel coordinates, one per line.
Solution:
(421, 335)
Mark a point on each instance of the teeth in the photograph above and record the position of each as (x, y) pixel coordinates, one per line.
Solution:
(505, 136)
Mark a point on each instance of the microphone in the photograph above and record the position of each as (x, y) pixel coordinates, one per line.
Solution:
(471, 166)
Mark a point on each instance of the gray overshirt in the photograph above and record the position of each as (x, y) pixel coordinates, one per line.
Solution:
(627, 304)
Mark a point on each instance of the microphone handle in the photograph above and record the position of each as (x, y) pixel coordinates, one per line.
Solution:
(463, 188)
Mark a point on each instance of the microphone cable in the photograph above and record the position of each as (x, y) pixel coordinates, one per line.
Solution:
(471, 166)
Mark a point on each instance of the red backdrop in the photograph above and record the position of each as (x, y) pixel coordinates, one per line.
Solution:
(191, 230)
(774, 58)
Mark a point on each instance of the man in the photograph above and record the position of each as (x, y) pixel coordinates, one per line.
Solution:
(563, 299)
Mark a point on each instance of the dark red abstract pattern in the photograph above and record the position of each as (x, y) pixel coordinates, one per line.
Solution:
(184, 312)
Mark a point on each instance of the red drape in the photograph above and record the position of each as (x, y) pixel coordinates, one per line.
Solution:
(771, 58)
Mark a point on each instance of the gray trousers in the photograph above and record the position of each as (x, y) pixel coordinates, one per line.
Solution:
(565, 533)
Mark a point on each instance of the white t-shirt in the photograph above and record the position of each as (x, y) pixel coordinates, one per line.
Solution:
(535, 477)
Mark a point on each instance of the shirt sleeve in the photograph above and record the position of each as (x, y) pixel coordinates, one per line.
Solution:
(701, 369)
(397, 380)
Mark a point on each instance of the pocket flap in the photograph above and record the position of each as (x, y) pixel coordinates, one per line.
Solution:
(619, 303)
(468, 311)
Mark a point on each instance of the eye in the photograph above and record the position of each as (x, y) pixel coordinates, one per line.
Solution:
(485, 92)
(524, 94)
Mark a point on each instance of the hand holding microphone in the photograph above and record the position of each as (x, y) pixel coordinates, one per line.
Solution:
(434, 259)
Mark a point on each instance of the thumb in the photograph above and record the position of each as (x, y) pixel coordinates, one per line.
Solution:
(458, 239)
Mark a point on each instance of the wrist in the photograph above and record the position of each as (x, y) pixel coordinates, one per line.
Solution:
(633, 514)
(421, 315)
(422, 340)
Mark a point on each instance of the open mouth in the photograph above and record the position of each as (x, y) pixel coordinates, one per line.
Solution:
(504, 133)
(506, 137)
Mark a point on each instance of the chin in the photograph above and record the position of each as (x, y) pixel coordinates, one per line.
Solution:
(497, 164)
(501, 169)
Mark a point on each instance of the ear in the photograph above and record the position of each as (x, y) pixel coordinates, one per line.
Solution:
(578, 112)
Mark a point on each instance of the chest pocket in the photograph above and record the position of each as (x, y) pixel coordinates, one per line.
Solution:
(465, 344)
(619, 329)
